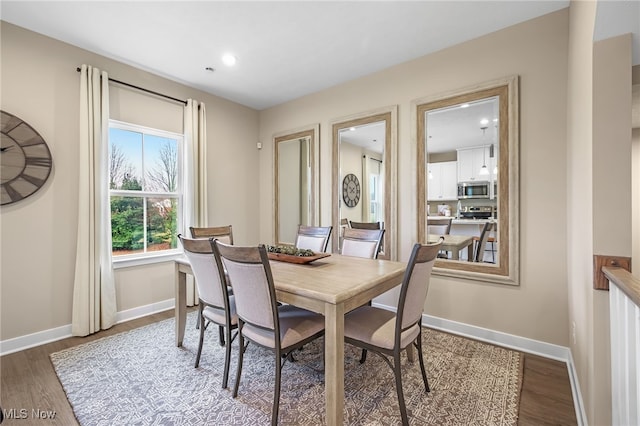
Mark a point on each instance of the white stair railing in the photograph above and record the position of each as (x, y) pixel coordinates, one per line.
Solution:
(624, 296)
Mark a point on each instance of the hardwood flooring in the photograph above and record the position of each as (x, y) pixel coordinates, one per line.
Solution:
(29, 383)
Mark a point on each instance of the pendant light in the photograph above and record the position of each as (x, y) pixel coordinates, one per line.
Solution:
(483, 170)
(492, 155)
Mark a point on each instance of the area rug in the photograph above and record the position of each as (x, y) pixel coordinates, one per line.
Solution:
(140, 377)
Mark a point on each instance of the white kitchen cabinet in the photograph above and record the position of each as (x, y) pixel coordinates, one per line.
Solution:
(442, 181)
(470, 161)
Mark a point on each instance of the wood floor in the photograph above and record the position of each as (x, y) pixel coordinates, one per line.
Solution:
(29, 383)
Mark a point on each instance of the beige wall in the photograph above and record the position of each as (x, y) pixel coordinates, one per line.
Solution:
(599, 176)
(39, 84)
(611, 186)
(537, 52)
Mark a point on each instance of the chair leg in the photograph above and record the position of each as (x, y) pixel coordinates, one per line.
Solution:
(398, 374)
(200, 319)
(241, 349)
(363, 357)
(227, 358)
(276, 393)
(421, 359)
(221, 334)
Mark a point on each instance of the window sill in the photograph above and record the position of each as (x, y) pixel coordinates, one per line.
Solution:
(128, 262)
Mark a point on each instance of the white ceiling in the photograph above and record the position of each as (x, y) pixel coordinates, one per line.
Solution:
(285, 49)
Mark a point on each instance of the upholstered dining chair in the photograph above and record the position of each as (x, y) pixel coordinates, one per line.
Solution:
(440, 226)
(215, 304)
(314, 238)
(222, 233)
(387, 333)
(362, 242)
(281, 328)
(482, 241)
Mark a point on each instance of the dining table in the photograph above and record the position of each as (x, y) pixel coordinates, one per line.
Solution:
(331, 286)
(454, 243)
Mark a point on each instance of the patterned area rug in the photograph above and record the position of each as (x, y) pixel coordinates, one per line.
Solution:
(140, 377)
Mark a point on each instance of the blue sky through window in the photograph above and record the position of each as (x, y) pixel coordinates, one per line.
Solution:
(141, 151)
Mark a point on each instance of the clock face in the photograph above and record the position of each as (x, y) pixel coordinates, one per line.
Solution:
(351, 190)
(25, 160)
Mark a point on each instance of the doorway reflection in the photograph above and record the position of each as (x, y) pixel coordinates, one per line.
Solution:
(295, 183)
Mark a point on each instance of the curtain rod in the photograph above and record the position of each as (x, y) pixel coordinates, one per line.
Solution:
(143, 89)
(371, 158)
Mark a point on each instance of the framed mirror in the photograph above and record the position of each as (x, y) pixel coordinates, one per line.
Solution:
(363, 175)
(467, 152)
(296, 183)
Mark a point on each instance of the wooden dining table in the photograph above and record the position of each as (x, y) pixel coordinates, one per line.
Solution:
(454, 243)
(331, 286)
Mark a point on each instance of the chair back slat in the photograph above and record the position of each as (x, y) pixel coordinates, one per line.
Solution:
(211, 289)
(222, 233)
(362, 242)
(250, 276)
(365, 225)
(415, 284)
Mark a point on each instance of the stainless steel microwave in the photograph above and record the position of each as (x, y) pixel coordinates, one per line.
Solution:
(479, 189)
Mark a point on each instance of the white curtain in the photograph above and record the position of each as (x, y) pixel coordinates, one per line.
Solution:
(195, 176)
(94, 295)
(366, 190)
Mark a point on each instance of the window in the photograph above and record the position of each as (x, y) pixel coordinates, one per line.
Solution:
(145, 190)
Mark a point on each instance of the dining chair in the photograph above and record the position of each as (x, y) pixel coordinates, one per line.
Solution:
(440, 226)
(482, 241)
(222, 233)
(261, 320)
(362, 242)
(215, 304)
(387, 333)
(314, 238)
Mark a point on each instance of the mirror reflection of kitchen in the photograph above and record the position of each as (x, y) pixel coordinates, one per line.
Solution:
(361, 155)
(462, 169)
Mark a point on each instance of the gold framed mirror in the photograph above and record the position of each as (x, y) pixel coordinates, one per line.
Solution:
(363, 161)
(295, 181)
(467, 172)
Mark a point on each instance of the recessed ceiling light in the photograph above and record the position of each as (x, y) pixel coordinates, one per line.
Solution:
(464, 106)
(229, 60)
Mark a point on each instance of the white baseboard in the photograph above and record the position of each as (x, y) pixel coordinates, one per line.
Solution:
(143, 311)
(47, 336)
(521, 344)
(581, 414)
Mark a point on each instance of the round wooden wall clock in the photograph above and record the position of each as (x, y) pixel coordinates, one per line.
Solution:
(351, 190)
(25, 159)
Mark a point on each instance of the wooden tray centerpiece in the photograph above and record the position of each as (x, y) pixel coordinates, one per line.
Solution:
(293, 255)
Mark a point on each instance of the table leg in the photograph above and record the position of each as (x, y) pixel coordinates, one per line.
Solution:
(455, 254)
(181, 304)
(334, 363)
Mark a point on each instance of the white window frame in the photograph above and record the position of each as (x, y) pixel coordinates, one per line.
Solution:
(146, 258)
